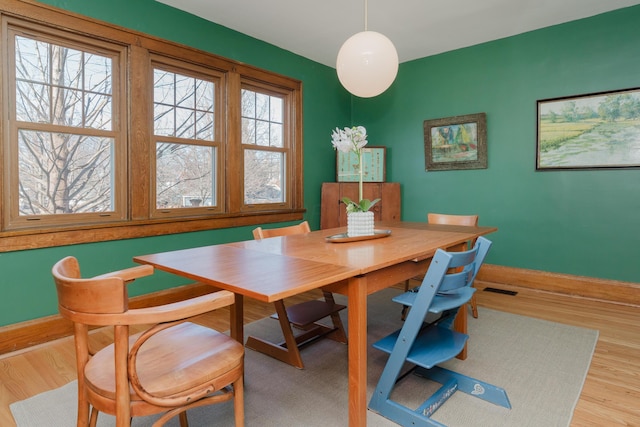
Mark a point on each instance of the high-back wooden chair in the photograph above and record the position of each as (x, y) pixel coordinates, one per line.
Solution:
(263, 233)
(303, 316)
(447, 219)
(171, 366)
(436, 218)
(423, 343)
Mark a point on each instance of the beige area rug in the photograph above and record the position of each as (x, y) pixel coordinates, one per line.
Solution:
(542, 366)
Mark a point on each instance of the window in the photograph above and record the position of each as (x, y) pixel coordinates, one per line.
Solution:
(186, 136)
(65, 156)
(264, 147)
(122, 135)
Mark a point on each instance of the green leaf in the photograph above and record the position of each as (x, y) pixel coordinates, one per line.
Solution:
(366, 204)
(363, 206)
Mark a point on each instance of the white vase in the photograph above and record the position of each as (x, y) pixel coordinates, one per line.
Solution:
(360, 224)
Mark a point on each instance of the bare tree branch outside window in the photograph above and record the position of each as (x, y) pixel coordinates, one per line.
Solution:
(67, 167)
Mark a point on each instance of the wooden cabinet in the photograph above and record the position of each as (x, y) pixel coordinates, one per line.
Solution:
(333, 211)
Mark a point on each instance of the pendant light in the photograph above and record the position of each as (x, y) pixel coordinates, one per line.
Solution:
(367, 62)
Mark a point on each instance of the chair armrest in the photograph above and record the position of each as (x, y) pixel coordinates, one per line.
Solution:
(181, 309)
(129, 274)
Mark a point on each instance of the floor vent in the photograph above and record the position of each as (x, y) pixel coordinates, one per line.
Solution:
(500, 291)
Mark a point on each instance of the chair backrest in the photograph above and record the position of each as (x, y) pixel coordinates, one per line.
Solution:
(261, 233)
(78, 296)
(446, 219)
(436, 218)
(470, 261)
(444, 289)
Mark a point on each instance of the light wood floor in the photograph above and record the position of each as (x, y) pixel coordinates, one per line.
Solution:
(610, 397)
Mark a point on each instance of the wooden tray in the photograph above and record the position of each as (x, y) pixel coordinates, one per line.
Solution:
(344, 238)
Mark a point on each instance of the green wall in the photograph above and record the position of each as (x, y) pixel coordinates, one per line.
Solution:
(27, 287)
(576, 222)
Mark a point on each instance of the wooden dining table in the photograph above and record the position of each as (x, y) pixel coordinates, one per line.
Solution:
(279, 267)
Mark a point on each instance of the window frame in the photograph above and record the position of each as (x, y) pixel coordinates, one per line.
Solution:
(12, 218)
(287, 149)
(218, 78)
(139, 219)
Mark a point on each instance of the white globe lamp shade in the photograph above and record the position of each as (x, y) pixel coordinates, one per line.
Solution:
(367, 64)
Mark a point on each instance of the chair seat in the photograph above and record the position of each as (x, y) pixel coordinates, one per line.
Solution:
(305, 314)
(166, 362)
(441, 301)
(432, 346)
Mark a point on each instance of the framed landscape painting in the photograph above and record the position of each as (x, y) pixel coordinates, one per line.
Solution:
(600, 130)
(458, 142)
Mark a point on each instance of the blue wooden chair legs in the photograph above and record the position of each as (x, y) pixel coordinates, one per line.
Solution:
(451, 383)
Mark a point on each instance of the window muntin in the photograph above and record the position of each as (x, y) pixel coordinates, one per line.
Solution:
(264, 146)
(64, 163)
(262, 119)
(184, 106)
(187, 151)
(60, 85)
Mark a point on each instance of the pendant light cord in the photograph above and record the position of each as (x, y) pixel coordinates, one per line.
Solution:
(366, 2)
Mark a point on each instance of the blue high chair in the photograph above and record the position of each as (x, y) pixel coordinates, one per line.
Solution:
(426, 344)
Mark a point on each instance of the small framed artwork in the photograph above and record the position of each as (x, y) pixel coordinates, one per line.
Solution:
(599, 130)
(458, 142)
(373, 165)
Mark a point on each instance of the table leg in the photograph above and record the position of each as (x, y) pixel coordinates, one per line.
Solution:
(236, 319)
(357, 316)
(460, 325)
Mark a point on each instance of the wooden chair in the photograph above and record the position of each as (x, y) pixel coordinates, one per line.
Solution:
(424, 342)
(304, 316)
(169, 367)
(470, 220)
